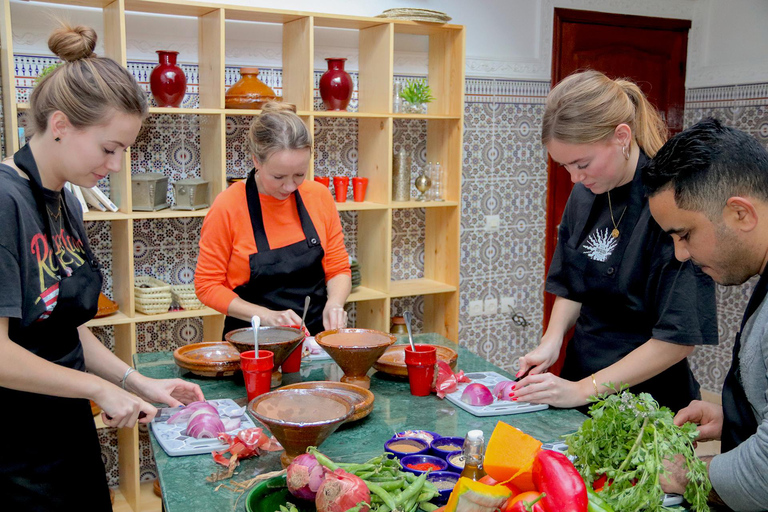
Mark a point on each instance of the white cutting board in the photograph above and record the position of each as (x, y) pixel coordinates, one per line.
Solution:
(498, 407)
(173, 440)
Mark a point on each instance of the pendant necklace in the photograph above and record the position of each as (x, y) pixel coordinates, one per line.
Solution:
(615, 232)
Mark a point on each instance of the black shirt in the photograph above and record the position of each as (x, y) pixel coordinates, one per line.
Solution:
(631, 289)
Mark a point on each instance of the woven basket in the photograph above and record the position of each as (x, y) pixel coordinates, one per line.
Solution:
(154, 298)
(185, 296)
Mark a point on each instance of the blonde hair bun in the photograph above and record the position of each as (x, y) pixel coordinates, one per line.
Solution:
(278, 106)
(73, 43)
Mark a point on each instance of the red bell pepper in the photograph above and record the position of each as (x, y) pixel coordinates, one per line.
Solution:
(565, 490)
(525, 502)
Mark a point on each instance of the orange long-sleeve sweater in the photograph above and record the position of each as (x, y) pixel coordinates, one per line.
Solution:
(226, 240)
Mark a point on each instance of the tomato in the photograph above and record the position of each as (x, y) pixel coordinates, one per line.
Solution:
(517, 503)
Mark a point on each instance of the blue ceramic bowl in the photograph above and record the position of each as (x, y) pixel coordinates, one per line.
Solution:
(437, 447)
(423, 446)
(420, 459)
(415, 432)
(444, 481)
(451, 466)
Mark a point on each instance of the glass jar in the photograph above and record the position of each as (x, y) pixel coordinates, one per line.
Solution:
(401, 176)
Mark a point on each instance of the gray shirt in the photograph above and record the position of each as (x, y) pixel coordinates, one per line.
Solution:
(740, 476)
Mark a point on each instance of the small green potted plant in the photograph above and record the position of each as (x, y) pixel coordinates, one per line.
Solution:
(415, 95)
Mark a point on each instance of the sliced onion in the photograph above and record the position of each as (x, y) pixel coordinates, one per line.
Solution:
(477, 394)
(184, 414)
(503, 390)
(205, 426)
(231, 424)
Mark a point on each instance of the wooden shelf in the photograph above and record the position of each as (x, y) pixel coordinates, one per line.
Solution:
(170, 214)
(347, 206)
(361, 293)
(175, 315)
(426, 116)
(352, 115)
(413, 287)
(96, 215)
(184, 111)
(115, 319)
(400, 205)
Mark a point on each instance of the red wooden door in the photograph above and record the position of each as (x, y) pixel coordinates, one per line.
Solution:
(650, 51)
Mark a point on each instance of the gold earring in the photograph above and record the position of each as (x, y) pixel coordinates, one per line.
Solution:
(625, 152)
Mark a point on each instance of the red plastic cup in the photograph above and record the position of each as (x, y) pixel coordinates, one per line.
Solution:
(292, 364)
(325, 180)
(421, 368)
(340, 186)
(257, 371)
(359, 185)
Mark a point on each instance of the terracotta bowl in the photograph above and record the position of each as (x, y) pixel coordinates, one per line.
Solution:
(361, 399)
(281, 341)
(208, 359)
(392, 362)
(360, 349)
(295, 423)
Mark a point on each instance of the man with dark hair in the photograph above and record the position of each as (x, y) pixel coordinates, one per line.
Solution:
(708, 188)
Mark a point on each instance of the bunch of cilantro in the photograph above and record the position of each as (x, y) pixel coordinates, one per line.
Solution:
(627, 438)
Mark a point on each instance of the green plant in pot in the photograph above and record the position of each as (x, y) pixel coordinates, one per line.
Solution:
(415, 95)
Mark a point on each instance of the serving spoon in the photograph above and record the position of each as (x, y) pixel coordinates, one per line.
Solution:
(304, 314)
(256, 323)
(407, 316)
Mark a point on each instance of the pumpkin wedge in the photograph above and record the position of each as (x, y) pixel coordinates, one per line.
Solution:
(471, 496)
(509, 456)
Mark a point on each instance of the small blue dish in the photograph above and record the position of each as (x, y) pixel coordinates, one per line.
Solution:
(445, 481)
(451, 466)
(420, 459)
(437, 449)
(420, 447)
(418, 434)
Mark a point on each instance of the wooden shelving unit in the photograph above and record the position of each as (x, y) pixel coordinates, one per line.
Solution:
(375, 120)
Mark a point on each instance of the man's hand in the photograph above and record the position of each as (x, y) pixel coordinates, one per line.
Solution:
(675, 479)
(708, 416)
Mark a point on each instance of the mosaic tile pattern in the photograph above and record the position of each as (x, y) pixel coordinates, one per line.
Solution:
(109, 454)
(167, 248)
(168, 334)
(106, 335)
(100, 238)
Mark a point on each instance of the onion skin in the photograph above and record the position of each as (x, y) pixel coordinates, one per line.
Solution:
(304, 476)
(503, 390)
(341, 491)
(477, 394)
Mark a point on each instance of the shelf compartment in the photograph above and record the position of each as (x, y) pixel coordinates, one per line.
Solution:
(349, 206)
(96, 215)
(422, 286)
(116, 319)
(170, 214)
(398, 205)
(175, 315)
(363, 293)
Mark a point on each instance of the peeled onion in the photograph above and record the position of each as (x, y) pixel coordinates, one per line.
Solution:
(304, 476)
(205, 426)
(503, 390)
(477, 394)
(341, 491)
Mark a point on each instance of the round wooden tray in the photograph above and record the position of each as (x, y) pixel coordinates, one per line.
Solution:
(208, 359)
(362, 399)
(392, 362)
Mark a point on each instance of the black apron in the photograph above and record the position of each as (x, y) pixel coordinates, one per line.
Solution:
(739, 421)
(281, 278)
(57, 465)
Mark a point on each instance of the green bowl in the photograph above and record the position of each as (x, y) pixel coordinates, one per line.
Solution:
(270, 494)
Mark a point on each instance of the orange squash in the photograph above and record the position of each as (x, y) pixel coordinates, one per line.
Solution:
(509, 456)
(471, 496)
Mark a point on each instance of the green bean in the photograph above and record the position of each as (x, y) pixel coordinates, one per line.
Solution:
(365, 475)
(322, 459)
(392, 485)
(384, 478)
(410, 477)
(381, 493)
(428, 507)
(412, 490)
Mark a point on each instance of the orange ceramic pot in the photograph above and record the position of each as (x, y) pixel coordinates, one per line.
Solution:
(249, 92)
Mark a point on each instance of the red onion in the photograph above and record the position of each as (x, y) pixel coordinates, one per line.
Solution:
(184, 414)
(503, 390)
(205, 426)
(304, 476)
(341, 491)
(477, 394)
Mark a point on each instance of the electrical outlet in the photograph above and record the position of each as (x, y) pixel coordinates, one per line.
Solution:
(490, 307)
(492, 223)
(475, 308)
(507, 305)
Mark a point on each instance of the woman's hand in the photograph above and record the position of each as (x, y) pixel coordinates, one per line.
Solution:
(173, 392)
(546, 388)
(539, 359)
(334, 316)
(121, 409)
(277, 318)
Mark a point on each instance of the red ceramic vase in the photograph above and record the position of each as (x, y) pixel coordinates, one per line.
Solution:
(167, 81)
(336, 86)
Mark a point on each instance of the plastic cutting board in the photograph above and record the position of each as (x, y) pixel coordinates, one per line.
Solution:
(498, 407)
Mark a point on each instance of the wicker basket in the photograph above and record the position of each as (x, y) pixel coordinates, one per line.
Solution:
(153, 296)
(184, 295)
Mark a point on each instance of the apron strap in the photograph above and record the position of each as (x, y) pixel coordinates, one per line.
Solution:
(257, 218)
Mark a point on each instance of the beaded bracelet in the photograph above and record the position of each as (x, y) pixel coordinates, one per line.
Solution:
(129, 371)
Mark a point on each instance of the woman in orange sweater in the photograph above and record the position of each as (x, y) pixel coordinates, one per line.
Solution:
(275, 238)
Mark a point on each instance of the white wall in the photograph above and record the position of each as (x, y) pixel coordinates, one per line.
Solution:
(505, 38)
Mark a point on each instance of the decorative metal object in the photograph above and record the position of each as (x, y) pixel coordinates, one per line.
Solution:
(401, 176)
(422, 185)
(190, 194)
(149, 191)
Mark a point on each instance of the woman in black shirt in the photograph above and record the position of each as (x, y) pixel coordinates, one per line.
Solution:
(638, 312)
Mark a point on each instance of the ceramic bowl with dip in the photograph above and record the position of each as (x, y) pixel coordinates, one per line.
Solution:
(214, 359)
(445, 445)
(300, 418)
(455, 461)
(402, 446)
(445, 481)
(424, 435)
(355, 351)
(430, 462)
(281, 341)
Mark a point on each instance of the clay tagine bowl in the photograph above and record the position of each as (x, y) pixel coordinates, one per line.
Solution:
(208, 359)
(300, 418)
(355, 351)
(281, 341)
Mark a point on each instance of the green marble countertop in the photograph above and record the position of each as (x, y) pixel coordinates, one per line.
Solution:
(182, 479)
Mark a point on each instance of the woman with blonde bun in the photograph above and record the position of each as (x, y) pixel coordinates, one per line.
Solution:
(638, 312)
(269, 242)
(83, 115)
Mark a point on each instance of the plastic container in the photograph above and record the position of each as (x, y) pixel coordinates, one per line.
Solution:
(450, 459)
(421, 459)
(421, 368)
(437, 447)
(257, 372)
(445, 481)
